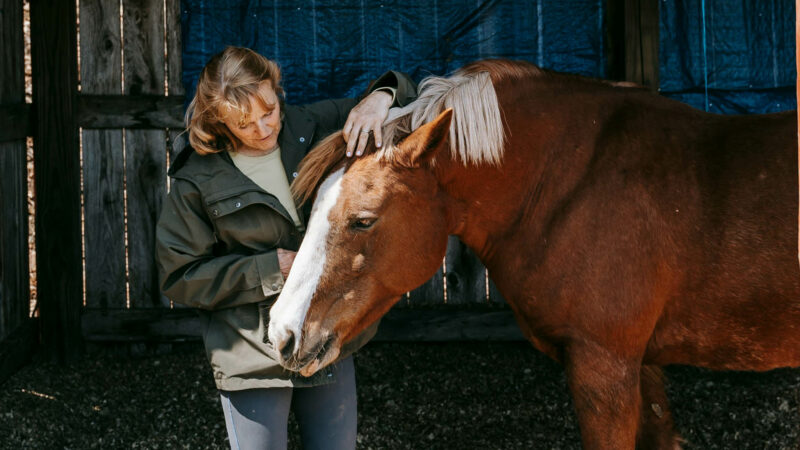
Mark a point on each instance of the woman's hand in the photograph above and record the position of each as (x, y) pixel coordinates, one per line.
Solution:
(285, 261)
(366, 117)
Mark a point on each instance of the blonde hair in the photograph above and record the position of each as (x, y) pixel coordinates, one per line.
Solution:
(227, 83)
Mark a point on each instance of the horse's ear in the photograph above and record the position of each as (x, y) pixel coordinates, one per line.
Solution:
(423, 144)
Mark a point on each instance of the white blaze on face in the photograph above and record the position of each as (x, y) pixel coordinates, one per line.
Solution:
(289, 311)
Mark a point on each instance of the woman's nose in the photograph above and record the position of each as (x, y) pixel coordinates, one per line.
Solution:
(262, 129)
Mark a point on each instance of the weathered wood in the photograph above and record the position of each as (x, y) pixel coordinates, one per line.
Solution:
(130, 111)
(57, 177)
(145, 150)
(15, 121)
(175, 72)
(448, 324)
(146, 177)
(632, 41)
(641, 38)
(174, 55)
(104, 220)
(495, 297)
(103, 160)
(441, 324)
(429, 294)
(17, 347)
(13, 184)
(14, 290)
(465, 277)
(614, 39)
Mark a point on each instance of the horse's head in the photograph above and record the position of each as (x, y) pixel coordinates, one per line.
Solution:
(377, 230)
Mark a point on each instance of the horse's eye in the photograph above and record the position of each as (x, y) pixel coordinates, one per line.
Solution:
(362, 223)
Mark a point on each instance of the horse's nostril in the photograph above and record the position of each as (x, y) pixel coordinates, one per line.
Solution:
(288, 347)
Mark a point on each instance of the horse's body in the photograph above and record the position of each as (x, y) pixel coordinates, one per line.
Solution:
(626, 231)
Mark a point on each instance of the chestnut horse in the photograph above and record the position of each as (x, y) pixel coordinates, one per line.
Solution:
(627, 231)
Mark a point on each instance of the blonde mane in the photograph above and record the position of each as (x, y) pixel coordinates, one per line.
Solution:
(477, 134)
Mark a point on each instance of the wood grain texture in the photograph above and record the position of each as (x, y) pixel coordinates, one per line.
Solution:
(429, 294)
(641, 42)
(103, 160)
(129, 111)
(465, 277)
(14, 289)
(57, 177)
(145, 150)
(422, 325)
(16, 121)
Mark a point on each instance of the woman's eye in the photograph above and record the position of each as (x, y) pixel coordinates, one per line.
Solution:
(363, 224)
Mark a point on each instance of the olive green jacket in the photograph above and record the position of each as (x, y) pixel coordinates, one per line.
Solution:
(216, 242)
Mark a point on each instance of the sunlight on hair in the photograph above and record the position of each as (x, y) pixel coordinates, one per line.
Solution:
(476, 133)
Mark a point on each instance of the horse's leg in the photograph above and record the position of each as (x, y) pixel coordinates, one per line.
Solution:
(657, 431)
(605, 391)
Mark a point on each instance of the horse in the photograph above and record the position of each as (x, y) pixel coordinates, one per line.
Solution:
(627, 231)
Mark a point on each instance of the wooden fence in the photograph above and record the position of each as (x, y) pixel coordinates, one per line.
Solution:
(16, 328)
(107, 110)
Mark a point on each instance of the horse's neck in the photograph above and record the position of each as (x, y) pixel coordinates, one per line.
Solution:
(493, 205)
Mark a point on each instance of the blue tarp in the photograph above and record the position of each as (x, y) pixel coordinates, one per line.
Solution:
(332, 48)
(747, 64)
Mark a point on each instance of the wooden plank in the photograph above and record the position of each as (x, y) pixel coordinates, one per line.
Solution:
(14, 288)
(103, 160)
(174, 46)
(12, 89)
(495, 297)
(145, 150)
(614, 40)
(17, 348)
(448, 324)
(641, 42)
(104, 221)
(431, 325)
(465, 277)
(57, 177)
(146, 179)
(175, 73)
(13, 171)
(429, 294)
(15, 121)
(130, 111)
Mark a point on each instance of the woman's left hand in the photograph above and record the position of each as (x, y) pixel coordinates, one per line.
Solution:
(367, 117)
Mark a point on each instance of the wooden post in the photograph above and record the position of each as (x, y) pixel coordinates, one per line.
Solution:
(632, 41)
(57, 177)
(797, 86)
(17, 331)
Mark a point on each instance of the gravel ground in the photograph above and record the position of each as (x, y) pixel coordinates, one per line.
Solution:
(411, 396)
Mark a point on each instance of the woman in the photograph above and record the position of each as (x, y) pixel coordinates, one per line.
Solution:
(228, 230)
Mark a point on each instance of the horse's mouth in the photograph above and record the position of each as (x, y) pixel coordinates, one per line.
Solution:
(319, 355)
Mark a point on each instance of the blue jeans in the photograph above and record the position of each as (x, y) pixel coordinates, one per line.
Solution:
(258, 418)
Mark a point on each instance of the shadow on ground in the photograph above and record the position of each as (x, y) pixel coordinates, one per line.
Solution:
(431, 396)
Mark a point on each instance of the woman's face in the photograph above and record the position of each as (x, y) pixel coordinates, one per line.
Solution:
(259, 130)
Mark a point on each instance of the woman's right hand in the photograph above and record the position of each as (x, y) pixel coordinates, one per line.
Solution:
(285, 260)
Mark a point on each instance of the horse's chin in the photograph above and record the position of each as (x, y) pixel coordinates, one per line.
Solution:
(314, 356)
(320, 362)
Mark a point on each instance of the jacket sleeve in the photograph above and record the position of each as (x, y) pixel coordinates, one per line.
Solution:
(189, 271)
(330, 115)
(406, 88)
